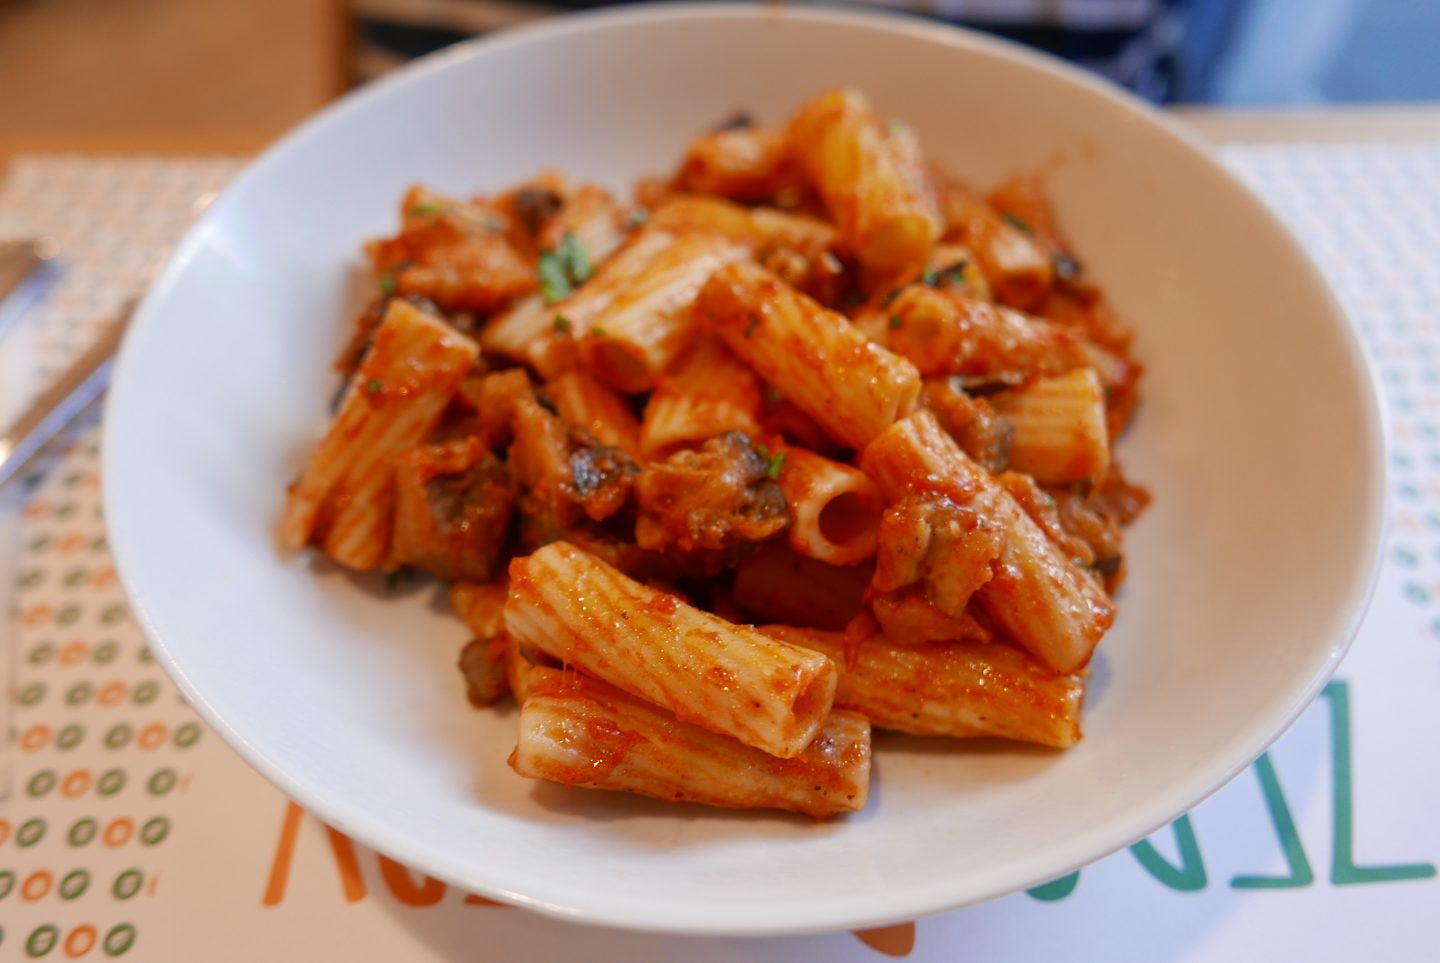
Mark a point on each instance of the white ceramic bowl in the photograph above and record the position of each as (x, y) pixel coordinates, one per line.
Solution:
(1258, 433)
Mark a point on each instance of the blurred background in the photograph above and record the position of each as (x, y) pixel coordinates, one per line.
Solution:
(232, 74)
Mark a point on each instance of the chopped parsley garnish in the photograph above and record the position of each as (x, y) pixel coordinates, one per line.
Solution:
(421, 210)
(1018, 223)
(888, 298)
(554, 284)
(754, 323)
(598, 331)
(564, 268)
(636, 217)
(387, 284)
(773, 463)
(575, 258)
(374, 386)
(562, 324)
(930, 279)
(895, 322)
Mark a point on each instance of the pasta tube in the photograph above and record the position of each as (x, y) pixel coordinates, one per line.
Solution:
(1060, 431)
(648, 324)
(864, 180)
(745, 164)
(852, 387)
(961, 689)
(1019, 266)
(941, 333)
(909, 618)
(586, 403)
(834, 508)
(543, 334)
(344, 499)
(761, 228)
(581, 732)
(707, 393)
(726, 678)
(592, 218)
(1035, 594)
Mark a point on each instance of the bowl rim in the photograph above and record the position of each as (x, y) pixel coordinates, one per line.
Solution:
(911, 902)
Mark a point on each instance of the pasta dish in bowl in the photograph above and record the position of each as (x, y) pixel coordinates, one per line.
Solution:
(760, 482)
(847, 422)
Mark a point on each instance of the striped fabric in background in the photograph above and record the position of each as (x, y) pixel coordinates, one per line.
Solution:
(1133, 42)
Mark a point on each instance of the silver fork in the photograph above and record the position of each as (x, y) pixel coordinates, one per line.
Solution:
(28, 268)
(58, 405)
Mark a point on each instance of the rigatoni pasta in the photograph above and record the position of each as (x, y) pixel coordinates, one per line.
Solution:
(707, 392)
(1060, 433)
(958, 689)
(586, 403)
(344, 499)
(866, 180)
(581, 732)
(809, 380)
(726, 678)
(630, 342)
(851, 386)
(835, 508)
(1039, 597)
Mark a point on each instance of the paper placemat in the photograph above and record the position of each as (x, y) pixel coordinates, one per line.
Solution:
(131, 831)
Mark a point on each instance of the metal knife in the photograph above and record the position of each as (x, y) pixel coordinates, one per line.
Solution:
(59, 404)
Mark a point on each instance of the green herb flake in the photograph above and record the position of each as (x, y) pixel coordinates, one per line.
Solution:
(754, 323)
(564, 269)
(387, 284)
(598, 331)
(636, 217)
(401, 576)
(888, 298)
(554, 284)
(1018, 223)
(930, 278)
(575, 258)
(773, 463)
(562, 324)
(374, 386)
(895, 322)
(423, 210)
